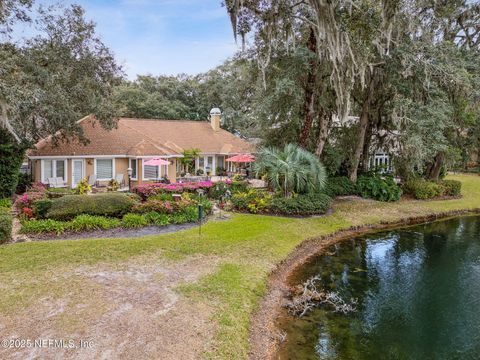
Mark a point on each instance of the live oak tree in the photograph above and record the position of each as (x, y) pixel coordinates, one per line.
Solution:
(51, 80)
(378, 56)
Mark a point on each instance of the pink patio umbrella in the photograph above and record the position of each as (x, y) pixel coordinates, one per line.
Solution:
(156, 162)
(241, 158)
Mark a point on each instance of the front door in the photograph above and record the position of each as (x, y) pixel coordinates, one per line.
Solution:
(77, 172)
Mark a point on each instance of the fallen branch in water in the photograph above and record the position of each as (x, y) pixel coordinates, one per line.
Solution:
(307, 296)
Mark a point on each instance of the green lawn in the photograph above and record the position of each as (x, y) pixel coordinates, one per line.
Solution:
(246, 247)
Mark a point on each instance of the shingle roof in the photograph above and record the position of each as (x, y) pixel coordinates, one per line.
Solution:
(140, 137)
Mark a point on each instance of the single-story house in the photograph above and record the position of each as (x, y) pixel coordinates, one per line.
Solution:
(110, 153)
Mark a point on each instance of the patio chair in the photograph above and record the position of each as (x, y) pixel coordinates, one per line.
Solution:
(92, 180)
(60, 182)
(120, 179)
(56, 182)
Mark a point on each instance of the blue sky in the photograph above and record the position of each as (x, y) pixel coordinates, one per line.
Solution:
(162, 36)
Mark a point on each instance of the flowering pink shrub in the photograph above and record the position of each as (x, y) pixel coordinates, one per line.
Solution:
(147, 190)
(36, 192)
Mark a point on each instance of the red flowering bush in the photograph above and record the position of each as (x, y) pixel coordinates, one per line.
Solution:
(27, 212)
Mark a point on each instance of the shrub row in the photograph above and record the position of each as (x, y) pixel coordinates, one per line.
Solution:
(301, 205)
(90, 222)
(422, 189)
(255, 201)
(107, 204)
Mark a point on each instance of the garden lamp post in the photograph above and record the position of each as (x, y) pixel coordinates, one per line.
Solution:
(129, 172)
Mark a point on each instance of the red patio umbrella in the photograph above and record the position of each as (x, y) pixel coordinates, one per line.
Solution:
(156, 162)
(241, 158)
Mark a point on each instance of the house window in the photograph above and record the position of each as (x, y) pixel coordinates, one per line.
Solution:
(54, 168)
(104, 169)
(133, 166)
(150, 172)
(221, 162)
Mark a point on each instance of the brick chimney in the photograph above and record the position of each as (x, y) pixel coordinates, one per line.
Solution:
(215, 115)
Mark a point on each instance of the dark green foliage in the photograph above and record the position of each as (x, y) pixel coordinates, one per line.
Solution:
(5, 225)
(377, 187)
(256, 201)
(309, 204)
(239, 186)
(108, 204)
(218, 190)
(340, 186)
(452, 187)
(207, 204)
(332, 159)
(24, 182)
(11, 157)
(157, 219)
(41, 207)
(134, 220)
(422, 189)
(191, 214)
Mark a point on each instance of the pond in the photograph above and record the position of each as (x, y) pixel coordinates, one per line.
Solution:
(418, 292)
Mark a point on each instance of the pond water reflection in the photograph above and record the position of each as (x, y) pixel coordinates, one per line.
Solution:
(418, 292)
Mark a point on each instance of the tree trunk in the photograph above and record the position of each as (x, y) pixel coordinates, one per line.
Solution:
(366, 148)
(324, 124)
(309, 102)
(362, 129)
(435, 169)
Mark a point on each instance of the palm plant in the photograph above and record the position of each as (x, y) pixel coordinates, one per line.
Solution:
(189, 156)
(291, 169)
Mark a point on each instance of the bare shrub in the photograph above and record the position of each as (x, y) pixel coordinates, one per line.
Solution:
(307, 296)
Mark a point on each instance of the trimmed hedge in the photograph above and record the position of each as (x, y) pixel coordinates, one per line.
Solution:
(41, 207)
(309, 204)
(6, 221)
(452, 187)
(340, 186)
(422, 189)
(107, 204)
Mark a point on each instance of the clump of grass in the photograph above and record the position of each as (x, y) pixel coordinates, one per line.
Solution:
(134, 221)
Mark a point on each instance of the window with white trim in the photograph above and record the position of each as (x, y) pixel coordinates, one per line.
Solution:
(133, 165)
(151, 172)
(54, 168)
(104, 169)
